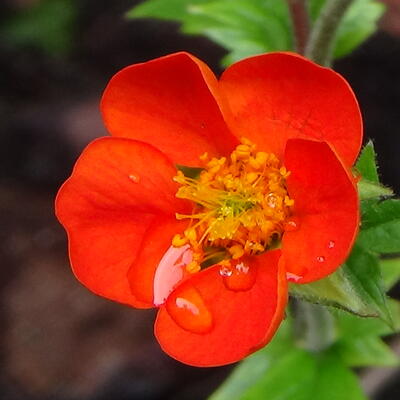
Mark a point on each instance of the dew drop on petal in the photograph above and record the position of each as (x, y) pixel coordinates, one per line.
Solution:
(170, 272)
(291, 225)
(321, 259)
(188, 310)
(242, 278)
(225, 270)
(134, 178)
(292, 277)
(331, 244)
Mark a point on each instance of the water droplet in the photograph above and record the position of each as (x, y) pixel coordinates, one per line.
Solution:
(242, 277)
(225, 270)
(187, 308)
(321, 259)
(134, 178)
(291, 225)
(292, 277)
(331, 244)
(242, 268)
(170, 271)
(271, 200)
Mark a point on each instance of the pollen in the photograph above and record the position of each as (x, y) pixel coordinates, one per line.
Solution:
(240, 206)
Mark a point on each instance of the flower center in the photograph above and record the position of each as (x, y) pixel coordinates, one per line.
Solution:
(240, 206)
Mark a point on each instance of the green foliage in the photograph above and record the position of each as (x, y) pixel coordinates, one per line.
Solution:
(366, 351)
(357, 287)
(249, 27)
(281, 371)
(390, 268)
(366, 163)
(369, 186)
(358, 24)
(380, 230)
(47, 25)
(244, 27)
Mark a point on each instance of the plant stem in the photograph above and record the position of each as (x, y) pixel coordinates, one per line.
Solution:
(301, 23)
(320, 45)
(314, 326)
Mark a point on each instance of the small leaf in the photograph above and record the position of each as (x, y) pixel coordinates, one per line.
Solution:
(366, 163)
(355, 287)
(354, 327)
(390, 268)
(380, 229)
(366, 351)
(359, 22)
(369, 190)
(362, 270)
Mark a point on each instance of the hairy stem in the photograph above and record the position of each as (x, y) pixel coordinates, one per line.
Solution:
(301, 23)
(314, 326)
(320, 45)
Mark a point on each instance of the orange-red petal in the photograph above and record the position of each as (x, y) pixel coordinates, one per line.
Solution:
(117, 189)
(156, 245)
(278, 96)
(216, 325)
(326, 209)
(172, 103)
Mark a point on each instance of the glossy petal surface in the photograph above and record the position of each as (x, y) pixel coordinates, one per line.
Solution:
(144, 283)
(171, 102)
(326, 209)
(231, 323)
(117, 189)
(278, 96)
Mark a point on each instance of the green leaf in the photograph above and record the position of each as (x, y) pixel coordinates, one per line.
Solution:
(296, 374)
(253, 368)
(359, 22)
(47, 25)
(244, 27)
(355, 287)
(174, 10)
(369, 186)
(390, 271)
(362, 270)
(292, 376)
(354, 327)
(380, 229)
(366, 163)
(370, 190)
(334, 381)
(366, 351)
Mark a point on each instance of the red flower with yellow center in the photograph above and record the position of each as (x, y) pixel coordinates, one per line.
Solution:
(213, 248)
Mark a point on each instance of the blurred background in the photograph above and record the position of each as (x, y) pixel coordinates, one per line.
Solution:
(58, 341)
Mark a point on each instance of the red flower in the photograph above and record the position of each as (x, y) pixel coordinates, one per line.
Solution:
(122, 208)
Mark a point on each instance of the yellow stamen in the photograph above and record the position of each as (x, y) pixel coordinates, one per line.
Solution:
(240, 204)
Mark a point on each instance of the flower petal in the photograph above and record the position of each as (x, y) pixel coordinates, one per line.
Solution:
(155, 245)
(172, 103)
(326, 207)
(278, 96)
(118, 188)
(222, 325)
